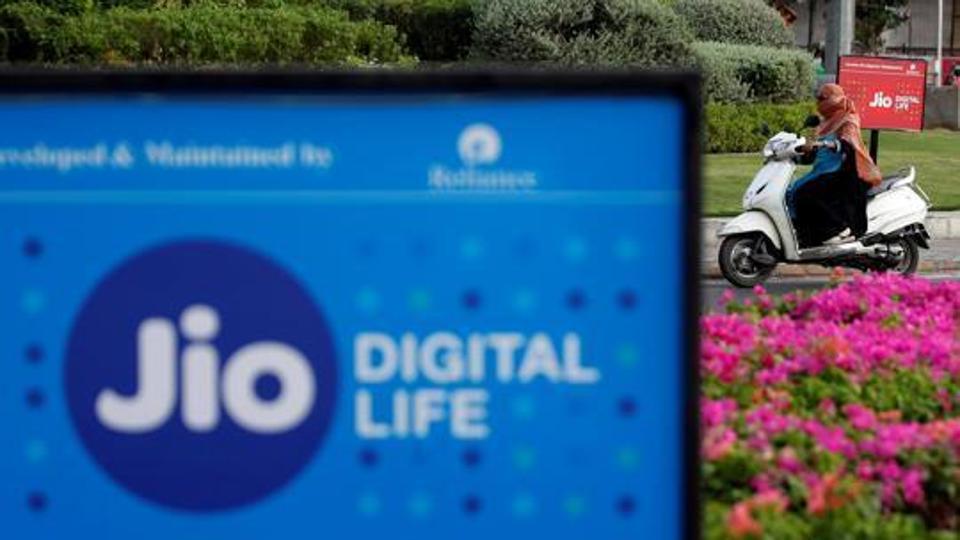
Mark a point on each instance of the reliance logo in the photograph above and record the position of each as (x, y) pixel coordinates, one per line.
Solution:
(479, 144)
(480, 147)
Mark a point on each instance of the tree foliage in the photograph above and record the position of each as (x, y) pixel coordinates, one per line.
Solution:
(874, 17)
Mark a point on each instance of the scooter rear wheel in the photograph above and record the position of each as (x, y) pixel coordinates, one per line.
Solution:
(911, 257)
(737, 263)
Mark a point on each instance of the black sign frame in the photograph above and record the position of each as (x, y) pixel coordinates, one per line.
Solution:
(33, 83)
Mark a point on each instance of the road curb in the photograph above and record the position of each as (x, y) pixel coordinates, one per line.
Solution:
(710, 270)
(940, 225)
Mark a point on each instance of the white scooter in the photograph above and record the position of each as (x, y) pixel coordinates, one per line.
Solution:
(763, 236)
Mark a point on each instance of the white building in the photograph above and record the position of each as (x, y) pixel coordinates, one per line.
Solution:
(917, 36)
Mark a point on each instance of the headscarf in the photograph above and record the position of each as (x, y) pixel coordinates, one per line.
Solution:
(840, 117)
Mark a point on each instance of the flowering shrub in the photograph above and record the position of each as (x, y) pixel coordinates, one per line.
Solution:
(835, 415)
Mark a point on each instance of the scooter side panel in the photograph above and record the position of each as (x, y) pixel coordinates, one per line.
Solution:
(895, 209)
(752, 221)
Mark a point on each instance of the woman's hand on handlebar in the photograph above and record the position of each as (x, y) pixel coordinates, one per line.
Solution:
(810, 147)
(832, 145)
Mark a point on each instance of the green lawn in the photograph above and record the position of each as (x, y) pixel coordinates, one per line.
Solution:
(936, 154)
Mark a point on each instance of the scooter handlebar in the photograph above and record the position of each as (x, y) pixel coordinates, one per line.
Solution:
(788, 146)
(802, 147)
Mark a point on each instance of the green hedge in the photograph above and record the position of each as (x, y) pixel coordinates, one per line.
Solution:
(205, 34)
(433, 30)
(745, 73)
(748, 22)
(142, 4)
(643, 33)
(61, 6)
(747, 127)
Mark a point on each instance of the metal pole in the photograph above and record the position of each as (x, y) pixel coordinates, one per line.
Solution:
(938, 68)
(831, 49)
(840, 15)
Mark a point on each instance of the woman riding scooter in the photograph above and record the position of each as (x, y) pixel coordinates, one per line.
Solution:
(828, 205)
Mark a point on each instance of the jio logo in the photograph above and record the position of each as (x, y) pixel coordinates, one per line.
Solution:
(201, 376)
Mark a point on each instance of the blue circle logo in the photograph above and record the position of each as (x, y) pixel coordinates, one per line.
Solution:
(200, 375)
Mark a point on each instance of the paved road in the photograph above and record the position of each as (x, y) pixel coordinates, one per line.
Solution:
(710, 290)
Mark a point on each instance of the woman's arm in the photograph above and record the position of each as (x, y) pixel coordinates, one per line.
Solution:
(808, 154)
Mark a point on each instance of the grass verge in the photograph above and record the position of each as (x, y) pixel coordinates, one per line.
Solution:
(936, 154)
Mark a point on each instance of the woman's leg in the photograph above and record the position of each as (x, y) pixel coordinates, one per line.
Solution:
(820, 210)
(856, 207)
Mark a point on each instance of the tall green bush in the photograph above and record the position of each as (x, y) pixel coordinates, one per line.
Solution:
(747, 127)
(748, 22)
(745, 73)
(643, 33)
(204, 34)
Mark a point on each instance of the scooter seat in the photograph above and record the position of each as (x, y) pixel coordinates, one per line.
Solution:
(899, 178)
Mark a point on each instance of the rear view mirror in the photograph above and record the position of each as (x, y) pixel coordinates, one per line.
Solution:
(812, 121)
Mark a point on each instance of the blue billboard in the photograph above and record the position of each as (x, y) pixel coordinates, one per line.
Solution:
(353, 306)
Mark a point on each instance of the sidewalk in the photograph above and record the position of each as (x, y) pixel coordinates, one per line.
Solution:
(943, 257)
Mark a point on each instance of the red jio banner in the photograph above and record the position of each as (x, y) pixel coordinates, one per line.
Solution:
(889, 92)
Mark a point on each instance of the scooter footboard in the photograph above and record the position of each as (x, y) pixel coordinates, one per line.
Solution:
(752, 221)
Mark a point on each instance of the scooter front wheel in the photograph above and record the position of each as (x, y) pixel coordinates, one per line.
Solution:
(738, 259)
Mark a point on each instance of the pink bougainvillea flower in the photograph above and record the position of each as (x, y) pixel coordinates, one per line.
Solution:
(814, 382)
(913, 487)
(716, 412)
(827, 493)
(890, 416)
(718, 443)
(726, 297)
(861, 418)
(817, 498)
(788, 461)
(827, 407)
(770, 498)
(741, 524)
(762, 483)
(831, 439)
